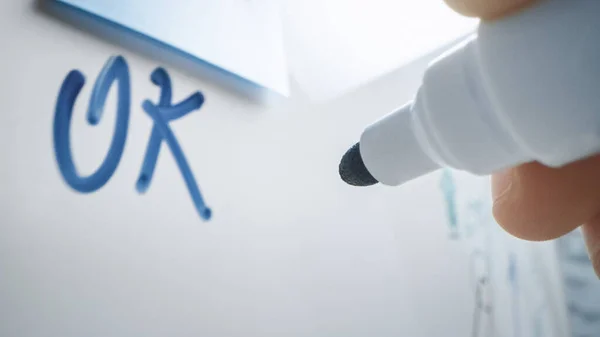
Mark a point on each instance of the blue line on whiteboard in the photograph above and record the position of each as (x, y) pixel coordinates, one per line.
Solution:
(116, 70)
(167, 134)
(587, 315)
(449, 190)
(513, 280)
(479, 276)
(538, 328)
(161, 78)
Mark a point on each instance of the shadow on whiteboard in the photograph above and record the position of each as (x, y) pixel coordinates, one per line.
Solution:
(157, 50)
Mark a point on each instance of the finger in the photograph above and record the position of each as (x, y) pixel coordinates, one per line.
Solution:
(488, 9)
(535, 202)
(591, 233)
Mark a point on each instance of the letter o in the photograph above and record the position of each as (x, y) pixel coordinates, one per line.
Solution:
(115, 69)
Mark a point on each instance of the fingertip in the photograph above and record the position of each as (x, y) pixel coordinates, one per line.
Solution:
(591, 234)
(512, 209)
(461, 8)
(488, 9)
(537, 203)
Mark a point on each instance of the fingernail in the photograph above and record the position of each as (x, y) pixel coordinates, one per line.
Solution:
(592, 242)
(593, 253)
(591, 236)
(501, 184)
(596, 264)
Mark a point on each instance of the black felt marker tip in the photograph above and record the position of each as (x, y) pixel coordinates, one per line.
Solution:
(353, 170)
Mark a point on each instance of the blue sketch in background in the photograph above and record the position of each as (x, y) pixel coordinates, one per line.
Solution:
(546, 302)
(582, 288)
(478, 217)
(508, 282)
(448, 188)
(473, 228)
(537, 323)
(514, 285)
(483, 308)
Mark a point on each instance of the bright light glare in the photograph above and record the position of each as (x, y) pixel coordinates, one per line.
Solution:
(336, 45)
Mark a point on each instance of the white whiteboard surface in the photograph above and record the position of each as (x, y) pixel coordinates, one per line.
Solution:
(290, 251)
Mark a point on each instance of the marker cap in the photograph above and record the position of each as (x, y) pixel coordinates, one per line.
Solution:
(521, 89)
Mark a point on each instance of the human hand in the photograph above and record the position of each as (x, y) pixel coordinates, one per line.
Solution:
(534, 202)
(489, 9)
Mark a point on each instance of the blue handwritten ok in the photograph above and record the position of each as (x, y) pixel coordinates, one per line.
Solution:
(116, 69)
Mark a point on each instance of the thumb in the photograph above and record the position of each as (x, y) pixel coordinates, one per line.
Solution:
(488, 9)
(535, 202)
(591, 233)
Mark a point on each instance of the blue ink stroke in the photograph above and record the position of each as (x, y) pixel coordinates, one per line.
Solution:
(115, 69)
(162, 114)
(481, 284)
(514, 282)
(589, 316)
(449, 190)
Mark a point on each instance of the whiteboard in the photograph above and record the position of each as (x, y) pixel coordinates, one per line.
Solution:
(290, 250)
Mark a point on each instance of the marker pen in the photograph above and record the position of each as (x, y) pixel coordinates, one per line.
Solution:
(523, 88)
